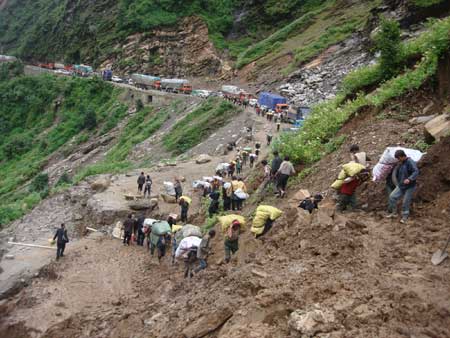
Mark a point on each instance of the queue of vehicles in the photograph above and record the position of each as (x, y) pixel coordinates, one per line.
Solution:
(268, 102)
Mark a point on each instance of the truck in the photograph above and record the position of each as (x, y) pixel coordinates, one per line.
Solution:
(146, 81)
(7, 58)
(83, 70)
(107, 74)
(49, 65)
(234, 92)
(296, 114)
(176, 86)
(270, 100)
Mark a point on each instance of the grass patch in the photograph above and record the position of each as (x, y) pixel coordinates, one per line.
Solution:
(39, 115)
(199, 124)
(332, 36)
(265, 46)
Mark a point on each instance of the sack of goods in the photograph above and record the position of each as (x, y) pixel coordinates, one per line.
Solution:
(161, 228)
(200, 184)
(188, 230)
(241, 194)
(222, 166)
(169, 188)
(225, 221)
(186, 199)
(348, 170)
(388, 162)
(118, 230)
(263, 213)
(149, 221)
(186, 244)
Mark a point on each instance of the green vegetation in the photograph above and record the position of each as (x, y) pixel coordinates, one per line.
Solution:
(40, 29)
(388, 41)
(38, 116)
(199, 124)
(318, 135)
(323, 25)
(331, 36)
(426, 3)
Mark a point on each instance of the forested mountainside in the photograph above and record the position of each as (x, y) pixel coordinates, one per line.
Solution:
(183, 37)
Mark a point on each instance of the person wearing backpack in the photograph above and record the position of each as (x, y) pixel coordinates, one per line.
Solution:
(148, 186)
(62, 239)
(231, 242)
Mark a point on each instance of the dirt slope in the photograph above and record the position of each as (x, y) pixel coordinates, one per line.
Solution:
(356, 274)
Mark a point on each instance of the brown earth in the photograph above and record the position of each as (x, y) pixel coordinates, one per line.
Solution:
(371, 276)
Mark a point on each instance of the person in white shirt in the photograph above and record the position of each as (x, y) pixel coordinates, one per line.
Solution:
(284, 172)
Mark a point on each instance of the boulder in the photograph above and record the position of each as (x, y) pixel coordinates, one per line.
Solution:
(131, 197)
(301, 195)
(100, 184)
(421, 119)
(203, 158)
(324, 215)
(309, 323)
(168, 198)
(303, 217)
(207, 323)
(438, 127)
(143, 204)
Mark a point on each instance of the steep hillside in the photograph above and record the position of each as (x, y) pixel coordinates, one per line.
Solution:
(56, 131)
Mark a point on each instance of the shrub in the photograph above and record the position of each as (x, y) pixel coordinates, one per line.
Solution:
(388, 42)
(39, 183)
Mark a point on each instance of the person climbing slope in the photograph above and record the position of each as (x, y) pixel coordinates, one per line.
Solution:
(284, 172)
(148, 186)
(178, 189)
(184, 204)
(140, 182)
(204, 250)
(347, 193)
(62, 239)
(231, 243)
(407, 174)
(128, 229)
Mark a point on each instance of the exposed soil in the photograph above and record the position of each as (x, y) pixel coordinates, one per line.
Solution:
(373, 276)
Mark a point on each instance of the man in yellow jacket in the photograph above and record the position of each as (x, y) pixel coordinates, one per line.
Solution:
(237, 184)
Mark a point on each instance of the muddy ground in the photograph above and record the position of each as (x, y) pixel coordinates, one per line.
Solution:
(356, 274)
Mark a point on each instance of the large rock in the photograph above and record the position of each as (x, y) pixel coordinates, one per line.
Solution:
(309, 323)
(438, 127)
(203, 158)
(421, 119)
(100, 184)
(324, 215)
(207, 323)
(143, 204)
(301, 195)
(168, 198)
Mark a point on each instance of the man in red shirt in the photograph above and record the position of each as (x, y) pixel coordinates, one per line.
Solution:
(347, 195)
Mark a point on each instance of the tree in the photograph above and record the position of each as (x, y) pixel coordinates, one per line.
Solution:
(388, 42)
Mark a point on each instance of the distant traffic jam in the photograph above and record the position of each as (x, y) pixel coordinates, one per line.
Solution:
(267, 104)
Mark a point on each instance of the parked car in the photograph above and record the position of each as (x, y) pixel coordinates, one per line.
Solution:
(203, 93)
(116, 79)
(253, 102)
(130, 82)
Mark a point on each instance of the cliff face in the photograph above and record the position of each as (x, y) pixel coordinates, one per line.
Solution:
(182, 50)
